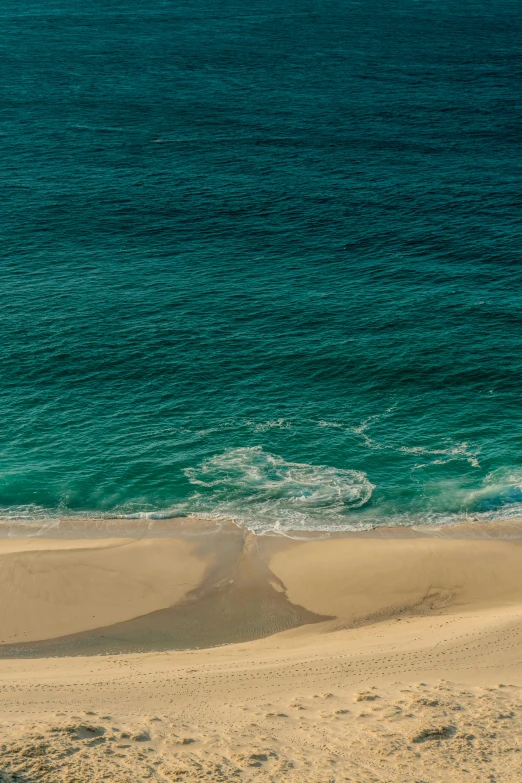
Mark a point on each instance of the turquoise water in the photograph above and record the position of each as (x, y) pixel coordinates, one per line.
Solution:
(261, 263)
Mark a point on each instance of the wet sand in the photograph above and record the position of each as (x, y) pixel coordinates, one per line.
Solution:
(203, 587)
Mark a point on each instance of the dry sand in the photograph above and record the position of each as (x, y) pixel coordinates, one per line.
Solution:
(418, 678)
(51, 587)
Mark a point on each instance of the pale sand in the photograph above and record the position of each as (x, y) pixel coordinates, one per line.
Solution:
(434, 697)
(360, 577)
(52, 587)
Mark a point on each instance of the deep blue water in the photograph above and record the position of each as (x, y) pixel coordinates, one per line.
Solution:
(261, 261)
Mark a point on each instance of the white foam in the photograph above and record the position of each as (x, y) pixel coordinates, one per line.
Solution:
(265, 491)
(501, 489)
(452, 451)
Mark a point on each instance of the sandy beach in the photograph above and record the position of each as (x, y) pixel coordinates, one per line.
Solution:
(260, 392)
(392, 656)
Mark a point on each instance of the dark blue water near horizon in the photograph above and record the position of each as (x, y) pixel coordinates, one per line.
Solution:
(261, 261)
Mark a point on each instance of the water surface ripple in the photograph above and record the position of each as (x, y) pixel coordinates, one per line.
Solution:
(261, 263)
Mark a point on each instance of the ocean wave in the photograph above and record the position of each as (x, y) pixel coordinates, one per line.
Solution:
(28, 520)
(264, 492)
(262, 488)
(501, 490)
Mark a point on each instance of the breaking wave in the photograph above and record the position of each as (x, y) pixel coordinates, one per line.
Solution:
(266, 491)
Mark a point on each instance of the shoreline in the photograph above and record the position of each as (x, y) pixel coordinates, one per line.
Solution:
(81, 526)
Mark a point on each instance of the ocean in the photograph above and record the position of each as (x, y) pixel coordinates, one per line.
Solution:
(261, 262)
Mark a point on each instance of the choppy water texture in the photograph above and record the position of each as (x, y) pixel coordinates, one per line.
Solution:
(261, 261)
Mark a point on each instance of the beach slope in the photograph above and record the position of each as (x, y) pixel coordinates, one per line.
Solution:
(417, 678)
